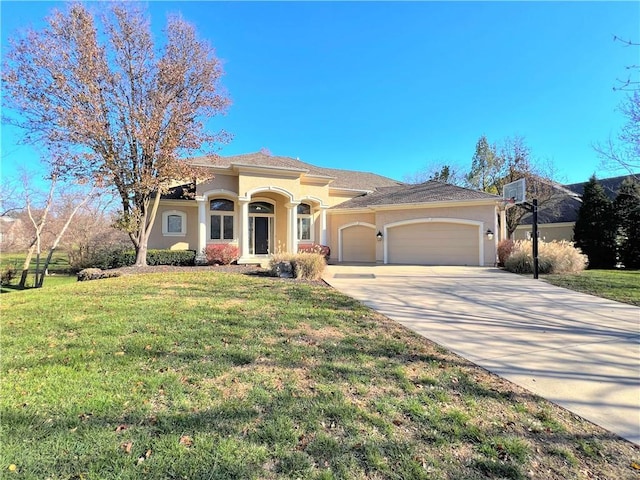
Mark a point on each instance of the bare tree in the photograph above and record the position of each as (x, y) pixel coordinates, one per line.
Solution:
(440, 171)
(108, 104)
(624, 152)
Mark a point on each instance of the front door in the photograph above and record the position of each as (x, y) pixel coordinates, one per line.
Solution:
(261, 235)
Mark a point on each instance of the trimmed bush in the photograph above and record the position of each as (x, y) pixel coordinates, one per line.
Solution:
(553, 257)
(221, 254)
(95, 274)
(505, 247)
(107, 259)
(182, 258)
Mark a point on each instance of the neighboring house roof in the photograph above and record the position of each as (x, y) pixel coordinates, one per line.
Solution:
(611, 185)
(562, 207)
(429, 191)
(567, 199)
(347, 179)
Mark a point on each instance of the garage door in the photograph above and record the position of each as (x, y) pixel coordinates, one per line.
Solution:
(358, 244)
(433, 243)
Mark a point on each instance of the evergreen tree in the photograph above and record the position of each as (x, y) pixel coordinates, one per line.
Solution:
(486, 167)
(595, 229)
(627, 208)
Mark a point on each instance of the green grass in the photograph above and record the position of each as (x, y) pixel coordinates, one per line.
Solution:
(212, 375)
(58, 269)
(620, 285)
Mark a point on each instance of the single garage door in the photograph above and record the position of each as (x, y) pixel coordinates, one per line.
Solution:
(358, 244)
(433, 243)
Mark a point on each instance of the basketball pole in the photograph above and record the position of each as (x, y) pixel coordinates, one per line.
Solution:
(533, 208)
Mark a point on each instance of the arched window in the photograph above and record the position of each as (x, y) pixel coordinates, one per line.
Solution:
(260, 207)
(221, 227)
(174, 223)
(305, 223)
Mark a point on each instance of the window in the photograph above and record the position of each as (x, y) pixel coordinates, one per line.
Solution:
(305, 221)
(260, 207)
(174, 223)
(221, 224)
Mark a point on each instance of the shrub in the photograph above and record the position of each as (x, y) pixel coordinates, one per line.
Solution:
(183, 258)
(110, 258)
(505, 247)
(323, 250)
(95, 274)
(309, 266)
(553, 257)
(7, 275)
(221, 254)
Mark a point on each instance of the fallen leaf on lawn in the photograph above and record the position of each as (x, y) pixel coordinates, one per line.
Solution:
(13, 467)
(119, 354)
(85, 416)
(147, 347)
(186, 440)
(121, 428)
(127, 447)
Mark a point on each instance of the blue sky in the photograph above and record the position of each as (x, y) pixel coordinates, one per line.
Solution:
(393, 87)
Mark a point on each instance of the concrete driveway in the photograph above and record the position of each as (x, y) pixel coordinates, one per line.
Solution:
(576, 350)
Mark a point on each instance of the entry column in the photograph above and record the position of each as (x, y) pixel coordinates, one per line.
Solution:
(244, 228)
(292, 226)
(202, 230)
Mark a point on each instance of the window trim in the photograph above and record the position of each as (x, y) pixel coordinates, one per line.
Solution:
(310, 216)
(222, 214)
(165, 223)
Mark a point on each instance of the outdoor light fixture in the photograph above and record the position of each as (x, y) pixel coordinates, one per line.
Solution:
(489, 234)
(379, 235)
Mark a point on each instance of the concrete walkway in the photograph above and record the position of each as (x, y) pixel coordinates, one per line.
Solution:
(579, 351)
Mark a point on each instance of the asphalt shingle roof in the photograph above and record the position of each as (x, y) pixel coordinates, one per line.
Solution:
(349, 179)
(567, 199)
(430, 191)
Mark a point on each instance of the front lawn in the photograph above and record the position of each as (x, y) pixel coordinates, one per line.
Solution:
(620, 285)
(210, 375)
(58, 269)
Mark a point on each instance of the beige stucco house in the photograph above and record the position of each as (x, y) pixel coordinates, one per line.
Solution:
(264, 204)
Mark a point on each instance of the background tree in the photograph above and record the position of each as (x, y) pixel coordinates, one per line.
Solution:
(595, 229)
(487, 167)
(442, 172)
(106, 103)
(624, 152)
(627, 209)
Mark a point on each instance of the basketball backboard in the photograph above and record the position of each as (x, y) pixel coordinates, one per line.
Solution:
(515, 191)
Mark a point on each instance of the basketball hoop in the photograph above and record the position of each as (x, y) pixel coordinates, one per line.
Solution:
(507, 202)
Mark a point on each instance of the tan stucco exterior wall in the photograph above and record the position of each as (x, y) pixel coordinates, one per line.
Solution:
(336, 221)
(481, 213)
(220, 182)
(187, 242)
(249, 182)
(548, 232)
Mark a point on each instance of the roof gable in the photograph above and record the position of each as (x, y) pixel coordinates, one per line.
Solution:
(338, 178)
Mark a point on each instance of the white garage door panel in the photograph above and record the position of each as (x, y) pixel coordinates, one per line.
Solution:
(434, 244)
(358, 244)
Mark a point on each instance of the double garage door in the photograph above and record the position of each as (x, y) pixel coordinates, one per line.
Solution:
(420, 243)
(434, 243)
